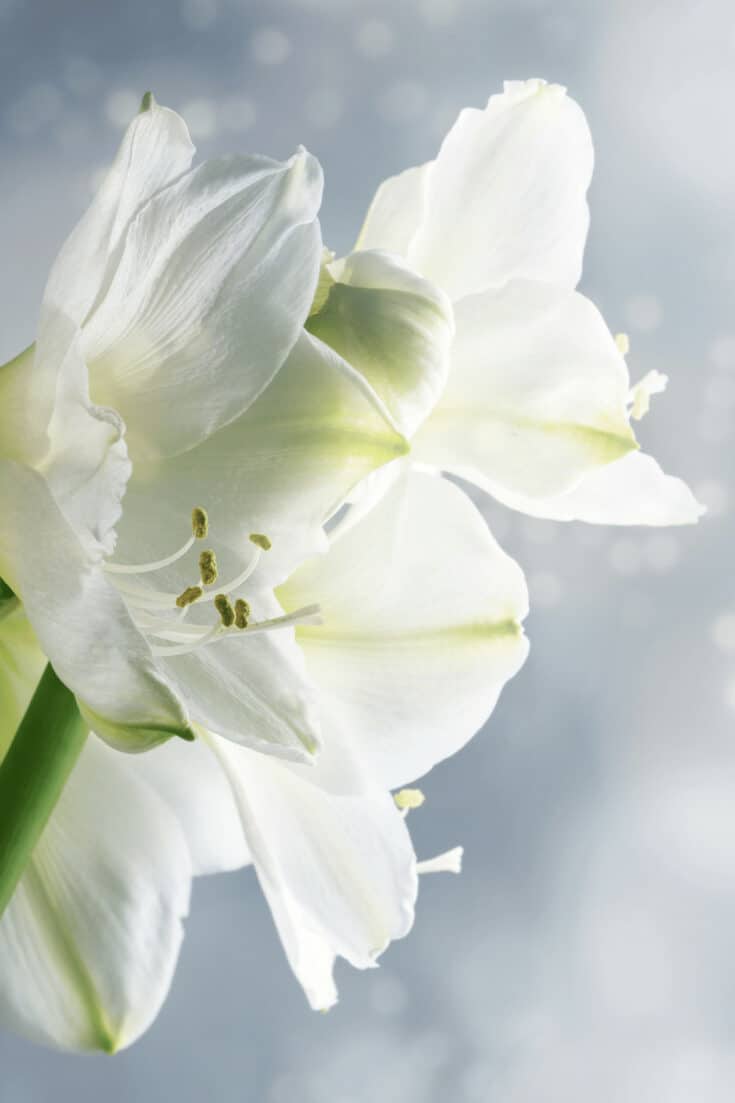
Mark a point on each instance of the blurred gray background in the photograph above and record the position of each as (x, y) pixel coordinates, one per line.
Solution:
(586, 951)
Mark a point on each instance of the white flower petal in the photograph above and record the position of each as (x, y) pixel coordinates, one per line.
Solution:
(448, 862)
(396, 212)
(393, 327)
(155, 150)
(89, 941)
(339, 872)
(87, 465)
(79, 618)
(421, 630)
(505, 198)
(215, 279)
(24, 411)
(280, 469)
(253, 689)
(537, 393)
(631, 491)
(366, 495)
(54, 427)
(190, 781)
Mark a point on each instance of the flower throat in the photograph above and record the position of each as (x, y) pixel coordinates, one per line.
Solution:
(160, 615)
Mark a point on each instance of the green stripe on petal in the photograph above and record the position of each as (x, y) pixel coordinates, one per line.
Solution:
(63, 951)
(415, 648)
(89, 941)
(537, 393)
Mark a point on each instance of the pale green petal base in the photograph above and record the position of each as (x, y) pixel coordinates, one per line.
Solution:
(8, 601)
(391, 326)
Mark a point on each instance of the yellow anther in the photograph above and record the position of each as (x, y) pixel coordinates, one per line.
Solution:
(223, 605)
(640, 395)
(189, 596)
(208, 567)
(260, 541)
(242, 613)
(409, 798)
(623, 342)
(199, 522)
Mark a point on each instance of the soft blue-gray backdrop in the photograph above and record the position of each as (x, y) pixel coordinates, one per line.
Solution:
(586, 951)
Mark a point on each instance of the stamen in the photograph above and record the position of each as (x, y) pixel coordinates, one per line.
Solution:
(223, 606)
(244, 575)
(160, 615)
(156, 565)
(407, 799)
(260, 541)
(309, 614)
(639, 398)
(199, 522)
(208, 567)
(242, 613)
(183, 649)
(154, 626)
(189, 596)
(622, 340)
(449, 862)
(173, 633)
(143, 598)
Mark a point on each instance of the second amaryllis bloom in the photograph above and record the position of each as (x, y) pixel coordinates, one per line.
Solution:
(535, 403)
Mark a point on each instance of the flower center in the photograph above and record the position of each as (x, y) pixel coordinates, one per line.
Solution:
(160, 615)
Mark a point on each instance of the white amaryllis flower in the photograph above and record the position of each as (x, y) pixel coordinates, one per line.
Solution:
(412, 656)
(534, 400)
(172, 370)
(171, 359)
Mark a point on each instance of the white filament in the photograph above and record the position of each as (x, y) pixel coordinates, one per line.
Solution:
(192, 638)
(156, 565)
(449, 862)
(147, 606)
(231, 586)
(145, 598)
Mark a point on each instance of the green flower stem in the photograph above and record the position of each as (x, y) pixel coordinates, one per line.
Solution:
(33, 773)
